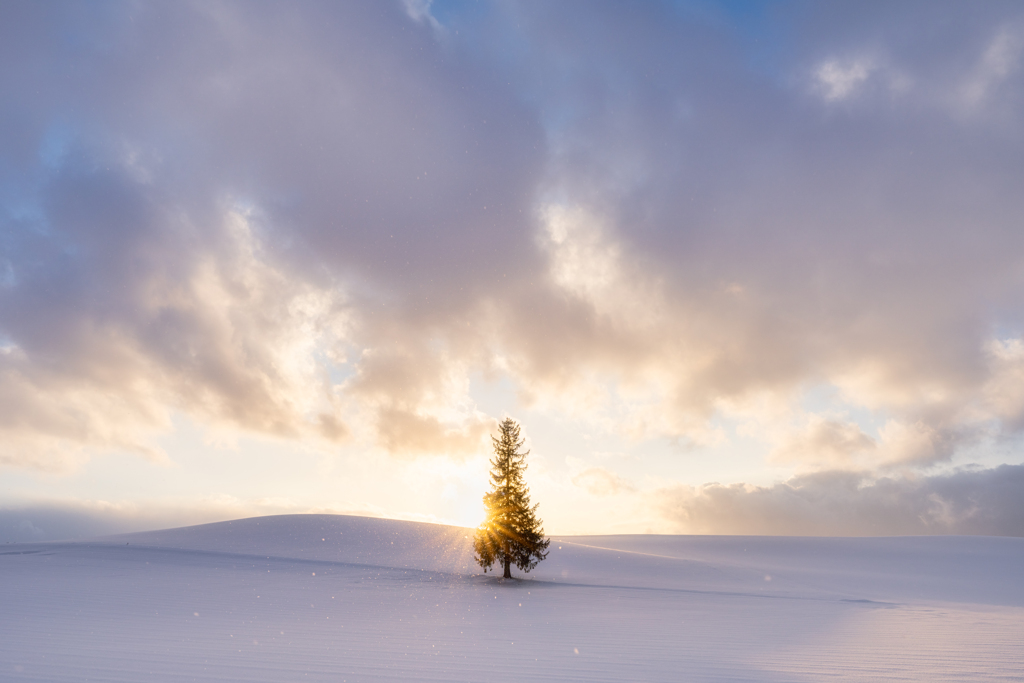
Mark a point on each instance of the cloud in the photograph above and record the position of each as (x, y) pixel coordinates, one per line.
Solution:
(762, 249)
(600, 481)
(419, 11)
(838, 80)
(322, 222)
(1003, 393)
(212, 218)
(999, 60)
(105, 352)
(402, 432)
(971, 501)
(825, 441)
(418, 402)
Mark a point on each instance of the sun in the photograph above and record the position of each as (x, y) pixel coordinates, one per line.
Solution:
(471, 513)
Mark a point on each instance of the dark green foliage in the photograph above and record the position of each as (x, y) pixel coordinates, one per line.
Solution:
(512, 533)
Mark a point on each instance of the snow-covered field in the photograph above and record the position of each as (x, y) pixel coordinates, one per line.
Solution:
(337, 598)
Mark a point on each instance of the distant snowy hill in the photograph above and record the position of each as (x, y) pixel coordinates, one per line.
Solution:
(324, 538)
(340, 598)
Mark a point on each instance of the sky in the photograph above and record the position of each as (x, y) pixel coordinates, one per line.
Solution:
(735, 267)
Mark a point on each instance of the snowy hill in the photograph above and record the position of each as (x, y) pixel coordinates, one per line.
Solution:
(335, 598)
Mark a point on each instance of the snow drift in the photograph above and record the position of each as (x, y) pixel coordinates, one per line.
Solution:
(339, 598)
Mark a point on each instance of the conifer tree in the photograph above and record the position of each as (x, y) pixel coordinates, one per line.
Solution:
(511, 533)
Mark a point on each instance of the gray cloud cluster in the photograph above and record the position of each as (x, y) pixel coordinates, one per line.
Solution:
(982, 501)
(320, 220)
(791, 229)
(208, 205)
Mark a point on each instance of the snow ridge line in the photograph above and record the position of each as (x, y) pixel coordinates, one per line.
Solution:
(228, 555)
(635, 552)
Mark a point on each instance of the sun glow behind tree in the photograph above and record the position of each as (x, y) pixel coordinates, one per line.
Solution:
(512, 533)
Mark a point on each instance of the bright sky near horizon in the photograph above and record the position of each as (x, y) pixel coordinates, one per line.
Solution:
(735, 267)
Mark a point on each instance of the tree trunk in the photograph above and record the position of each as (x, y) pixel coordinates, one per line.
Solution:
(508, 569)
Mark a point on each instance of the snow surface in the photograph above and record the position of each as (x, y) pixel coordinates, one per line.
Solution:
(339, 598)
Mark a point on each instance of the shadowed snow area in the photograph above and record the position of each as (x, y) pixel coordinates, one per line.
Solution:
(339, 598)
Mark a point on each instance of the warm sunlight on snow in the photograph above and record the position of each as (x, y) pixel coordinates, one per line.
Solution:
(333, 598)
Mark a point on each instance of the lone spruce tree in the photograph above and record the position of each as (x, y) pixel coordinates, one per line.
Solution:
(512, 533)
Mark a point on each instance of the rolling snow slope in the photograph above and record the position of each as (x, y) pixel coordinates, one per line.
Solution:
(338, 598)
